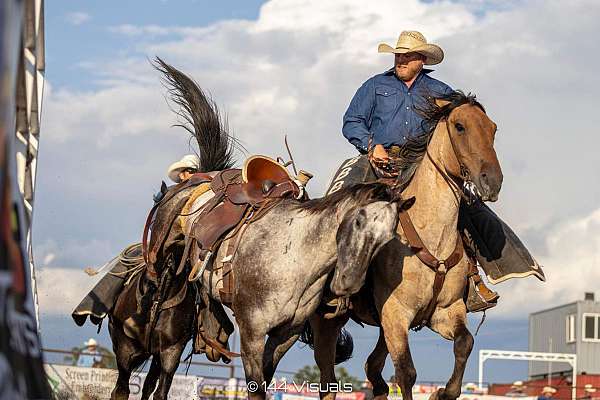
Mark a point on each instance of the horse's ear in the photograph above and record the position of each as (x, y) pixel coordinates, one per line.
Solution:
(441, 102)
(406, 204)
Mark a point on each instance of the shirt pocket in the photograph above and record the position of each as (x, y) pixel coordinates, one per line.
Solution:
(386, 100)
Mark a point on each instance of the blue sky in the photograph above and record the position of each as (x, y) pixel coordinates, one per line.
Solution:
(292, 66)
(78, 31)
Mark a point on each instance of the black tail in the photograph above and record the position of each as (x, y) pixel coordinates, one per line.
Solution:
(343, 348)
(201, 119)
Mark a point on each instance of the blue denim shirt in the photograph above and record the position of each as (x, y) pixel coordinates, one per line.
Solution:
(385, 107)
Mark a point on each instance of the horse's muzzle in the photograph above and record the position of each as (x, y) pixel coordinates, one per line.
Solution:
(489, 185)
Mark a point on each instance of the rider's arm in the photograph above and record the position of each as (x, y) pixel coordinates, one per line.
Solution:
(357, 119)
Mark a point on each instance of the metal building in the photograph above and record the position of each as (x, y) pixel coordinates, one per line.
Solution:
(571, 328)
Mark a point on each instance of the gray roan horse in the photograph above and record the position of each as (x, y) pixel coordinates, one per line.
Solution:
(285, 257)
(399, 285)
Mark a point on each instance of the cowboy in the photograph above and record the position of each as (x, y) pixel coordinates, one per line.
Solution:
(179, 171)
(384, 107)
(547, 393)
(384, 114)
(183, 169)
(92, 357)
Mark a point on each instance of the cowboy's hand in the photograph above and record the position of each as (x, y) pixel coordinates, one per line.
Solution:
(380, 154)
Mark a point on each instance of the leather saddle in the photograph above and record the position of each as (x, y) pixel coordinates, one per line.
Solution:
(261, 181)
(240, 198)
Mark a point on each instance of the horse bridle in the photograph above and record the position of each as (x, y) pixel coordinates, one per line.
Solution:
(465, 175)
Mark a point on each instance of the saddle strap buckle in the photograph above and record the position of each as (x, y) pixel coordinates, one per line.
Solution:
(441, 267)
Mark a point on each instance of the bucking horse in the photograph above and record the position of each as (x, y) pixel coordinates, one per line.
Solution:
(248, 238)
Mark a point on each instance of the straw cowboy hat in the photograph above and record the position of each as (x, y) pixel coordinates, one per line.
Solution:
(548, 389)
(91, 342)
(188, 161)
(415, 42)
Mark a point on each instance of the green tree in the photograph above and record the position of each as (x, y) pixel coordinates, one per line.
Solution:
(311, 373)
(308, 373)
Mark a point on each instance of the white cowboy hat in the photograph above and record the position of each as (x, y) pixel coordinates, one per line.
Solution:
(187, 161)
(589, 388)
(548, 389)
(517, 385)
(415, 42)
(91, 342)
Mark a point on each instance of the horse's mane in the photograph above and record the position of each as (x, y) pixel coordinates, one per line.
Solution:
(360, 193)
(412, 152)
(200, 117)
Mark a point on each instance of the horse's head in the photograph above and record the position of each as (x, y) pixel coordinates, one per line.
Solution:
(471, 151)
(363, 231)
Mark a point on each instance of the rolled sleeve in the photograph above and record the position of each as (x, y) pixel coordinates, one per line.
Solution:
(357, 117)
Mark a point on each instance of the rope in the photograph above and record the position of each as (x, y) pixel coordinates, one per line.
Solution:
(134, 264)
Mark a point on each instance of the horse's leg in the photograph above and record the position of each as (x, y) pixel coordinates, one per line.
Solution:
(128, 356)
(169, 361)
(374, 367)
(395, 321)
(277, 345)
(252, 345)
(451, 324)
(151, 378)
(325, 335)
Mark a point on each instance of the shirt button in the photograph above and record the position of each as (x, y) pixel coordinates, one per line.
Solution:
(407, 107)
(406, 123)
(409, 93)
(385, 93)
(404, 137)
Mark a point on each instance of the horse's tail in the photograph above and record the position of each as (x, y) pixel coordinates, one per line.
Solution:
(200, 117)
(343, 347)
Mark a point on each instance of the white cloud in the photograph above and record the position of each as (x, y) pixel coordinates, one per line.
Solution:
(61, 289)
(77, 17)
(572, 267)
(295, 69)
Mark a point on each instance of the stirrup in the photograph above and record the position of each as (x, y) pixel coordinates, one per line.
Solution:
(479, 296)
(341, 304)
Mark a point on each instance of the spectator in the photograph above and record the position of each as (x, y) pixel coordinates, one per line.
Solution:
(547, 393)
(92, 358)
(589, 389)
(517, 390)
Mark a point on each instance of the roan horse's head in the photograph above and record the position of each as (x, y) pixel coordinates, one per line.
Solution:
(363, 231)
(471, 133)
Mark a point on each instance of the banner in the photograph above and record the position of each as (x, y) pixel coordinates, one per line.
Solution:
(97, 383)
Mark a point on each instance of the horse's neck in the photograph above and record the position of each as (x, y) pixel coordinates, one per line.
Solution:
(322, 230)
(435, 212)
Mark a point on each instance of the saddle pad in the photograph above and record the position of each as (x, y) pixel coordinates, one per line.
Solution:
(196, 200)
(352, 171)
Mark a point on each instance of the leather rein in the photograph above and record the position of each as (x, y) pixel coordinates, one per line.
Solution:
(439, 267)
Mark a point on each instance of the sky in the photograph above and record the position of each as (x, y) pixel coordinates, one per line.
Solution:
(291, 67)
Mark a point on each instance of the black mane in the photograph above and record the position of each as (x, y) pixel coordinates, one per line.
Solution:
(361, 193)
(412, 152)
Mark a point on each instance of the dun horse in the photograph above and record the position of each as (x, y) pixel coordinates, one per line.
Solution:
(401, 287)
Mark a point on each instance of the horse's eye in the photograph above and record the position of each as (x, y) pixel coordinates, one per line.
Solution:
(459, 127)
